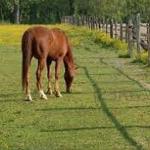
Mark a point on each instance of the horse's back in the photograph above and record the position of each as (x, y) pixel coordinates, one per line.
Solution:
(60, 42)
(48, 42)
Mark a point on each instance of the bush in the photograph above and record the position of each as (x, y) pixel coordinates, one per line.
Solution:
(144, 57)
(105, 40)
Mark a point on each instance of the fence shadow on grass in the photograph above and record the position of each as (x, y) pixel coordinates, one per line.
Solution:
(10, 97)
(87, 108)
(69, 109)
(110, 115)
(95, 128)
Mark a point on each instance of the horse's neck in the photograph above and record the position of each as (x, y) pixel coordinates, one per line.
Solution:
(68, 61)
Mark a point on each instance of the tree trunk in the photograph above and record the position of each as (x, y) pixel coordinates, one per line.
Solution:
(17, 12)
(1, 13)
(71, 7)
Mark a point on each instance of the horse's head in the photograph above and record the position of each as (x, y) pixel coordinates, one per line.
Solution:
(69, 76)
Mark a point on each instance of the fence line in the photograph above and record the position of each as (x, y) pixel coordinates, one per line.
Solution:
(136, 33)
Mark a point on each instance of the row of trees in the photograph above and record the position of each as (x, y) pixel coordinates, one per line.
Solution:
(120, 10)
(34, 11)
(51, 11)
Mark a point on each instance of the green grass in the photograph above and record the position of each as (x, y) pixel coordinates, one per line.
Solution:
(108, 109)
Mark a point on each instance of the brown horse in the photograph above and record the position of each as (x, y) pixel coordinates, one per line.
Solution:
(46, 45)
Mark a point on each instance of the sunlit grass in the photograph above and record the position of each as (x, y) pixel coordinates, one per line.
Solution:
(11, 34)
(106, 110)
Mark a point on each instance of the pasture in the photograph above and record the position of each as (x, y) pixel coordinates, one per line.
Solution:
(109, 107)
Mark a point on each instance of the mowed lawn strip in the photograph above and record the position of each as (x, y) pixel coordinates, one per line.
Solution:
(105, 110)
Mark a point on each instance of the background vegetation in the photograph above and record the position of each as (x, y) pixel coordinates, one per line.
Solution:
(51, 11)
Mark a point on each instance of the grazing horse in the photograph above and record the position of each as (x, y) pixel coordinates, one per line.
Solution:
(46, 45)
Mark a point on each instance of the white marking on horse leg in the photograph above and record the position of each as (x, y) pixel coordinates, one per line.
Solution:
(49, 91)
(42, 95)
(29, 97)
(57, 92)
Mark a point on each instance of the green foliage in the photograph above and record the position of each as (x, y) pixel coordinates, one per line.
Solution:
(123, 55)
(107, 8)
(51, 11)
(35, 11)
(142, 59)
(105, 39)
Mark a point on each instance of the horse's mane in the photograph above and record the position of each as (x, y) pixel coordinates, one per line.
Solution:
(68, 59)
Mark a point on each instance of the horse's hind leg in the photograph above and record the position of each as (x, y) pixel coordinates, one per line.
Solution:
(26, 81)
(41, 65)
(49, 90)
(27, 91)
(57, 71)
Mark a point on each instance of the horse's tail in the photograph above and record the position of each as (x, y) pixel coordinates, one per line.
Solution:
(26, 57)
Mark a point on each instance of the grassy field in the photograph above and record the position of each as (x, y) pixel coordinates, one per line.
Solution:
(109, 108)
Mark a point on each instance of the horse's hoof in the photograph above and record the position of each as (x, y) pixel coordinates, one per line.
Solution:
(43, 97)
(29, 98)
(49, 92)
(58, 94)
(68, 92)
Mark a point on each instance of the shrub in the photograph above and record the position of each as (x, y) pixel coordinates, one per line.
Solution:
(106, 41)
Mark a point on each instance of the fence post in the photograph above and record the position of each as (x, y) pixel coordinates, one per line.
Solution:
(87, 22)
(138, 35)
(111, 28)
(77, 20)
(82, 20)
(90, 22)
(99, 23)
(106, 26)
(148, 42)
(71, 19)
(129, 33)
(93, 22)
(121, 31)
(126, 33)
(116, 33)
(96, 21)
(62, 19)
(103, 23)
(147, 30)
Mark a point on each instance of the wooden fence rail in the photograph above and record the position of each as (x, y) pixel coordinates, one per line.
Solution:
(136, 33)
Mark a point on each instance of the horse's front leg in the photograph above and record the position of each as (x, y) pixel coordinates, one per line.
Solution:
(57, 72)
(49, 90)
(41, 65)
